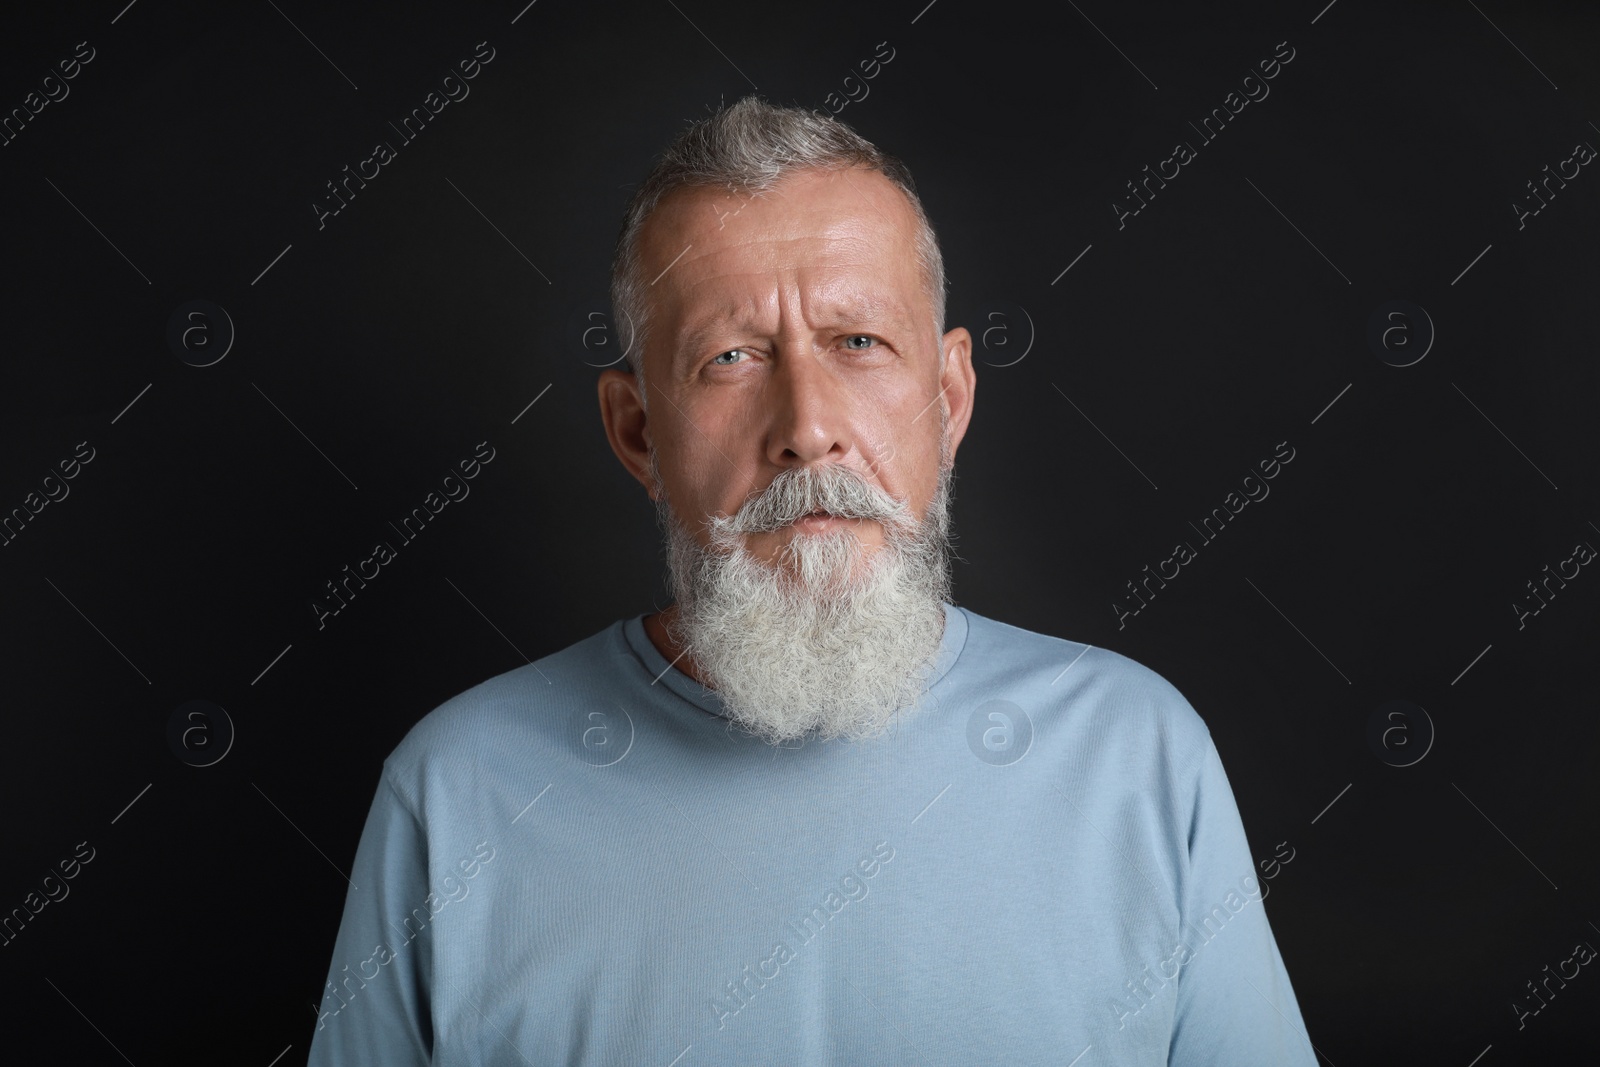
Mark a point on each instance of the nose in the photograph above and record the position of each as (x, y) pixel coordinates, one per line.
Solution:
(809, 411)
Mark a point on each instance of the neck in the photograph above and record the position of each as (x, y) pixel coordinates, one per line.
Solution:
(655, 626)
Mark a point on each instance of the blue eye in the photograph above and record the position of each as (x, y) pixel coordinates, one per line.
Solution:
(717, 359)
(860, 337)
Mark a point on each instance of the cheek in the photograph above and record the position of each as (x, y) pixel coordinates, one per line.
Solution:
(715, 463)
(904, 452)
(701, 481)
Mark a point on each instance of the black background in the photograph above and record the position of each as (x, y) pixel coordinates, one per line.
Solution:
(380, 349)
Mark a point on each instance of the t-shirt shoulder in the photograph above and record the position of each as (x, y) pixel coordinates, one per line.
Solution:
(1082, 679)
(509, 711)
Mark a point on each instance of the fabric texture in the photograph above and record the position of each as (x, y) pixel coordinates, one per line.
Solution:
(580, 861)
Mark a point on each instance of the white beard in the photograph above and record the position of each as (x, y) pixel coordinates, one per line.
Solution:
(827, 640)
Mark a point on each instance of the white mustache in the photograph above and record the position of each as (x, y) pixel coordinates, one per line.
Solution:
(800, 491)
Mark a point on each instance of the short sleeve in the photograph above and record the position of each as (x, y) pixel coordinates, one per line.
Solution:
(1234, 1001)
(375, 1008)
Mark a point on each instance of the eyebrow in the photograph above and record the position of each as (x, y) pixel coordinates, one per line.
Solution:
(851, 309)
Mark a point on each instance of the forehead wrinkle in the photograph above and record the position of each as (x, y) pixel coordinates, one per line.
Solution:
(739, 315)
(850, 243)
(865, 305)
(838, 291)
(836, 311)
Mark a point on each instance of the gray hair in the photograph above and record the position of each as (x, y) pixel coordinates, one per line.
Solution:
(749, 147)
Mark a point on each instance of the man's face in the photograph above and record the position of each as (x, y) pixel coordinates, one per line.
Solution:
(793, 364)
(795, 329)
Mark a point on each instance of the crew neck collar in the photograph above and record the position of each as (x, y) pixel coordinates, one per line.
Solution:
(706, 699)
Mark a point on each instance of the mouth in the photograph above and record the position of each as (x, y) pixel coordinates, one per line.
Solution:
(818, 519)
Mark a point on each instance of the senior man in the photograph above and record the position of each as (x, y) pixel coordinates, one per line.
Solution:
(812, 812)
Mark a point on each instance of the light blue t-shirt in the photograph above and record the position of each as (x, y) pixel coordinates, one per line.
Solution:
(580, 862)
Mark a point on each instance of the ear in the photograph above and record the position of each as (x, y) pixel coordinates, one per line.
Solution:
(958, 383)
(627, 425)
